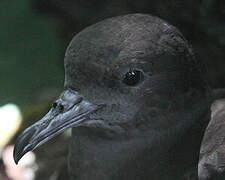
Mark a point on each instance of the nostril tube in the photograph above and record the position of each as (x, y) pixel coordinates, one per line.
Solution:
(61, 108)
(54, 105)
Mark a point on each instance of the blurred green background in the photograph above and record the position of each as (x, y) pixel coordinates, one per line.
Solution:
(31, 53)
(34, 35)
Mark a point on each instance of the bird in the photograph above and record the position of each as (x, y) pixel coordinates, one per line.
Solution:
(211, 164)
(136, 99)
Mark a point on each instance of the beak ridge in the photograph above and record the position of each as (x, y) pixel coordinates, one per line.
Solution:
(54, 122)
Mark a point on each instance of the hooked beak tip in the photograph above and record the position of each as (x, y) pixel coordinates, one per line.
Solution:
(22, 145)
(16, 155)
(19, 152)
(16, 159)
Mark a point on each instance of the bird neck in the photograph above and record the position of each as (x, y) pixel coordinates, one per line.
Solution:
(168, 155)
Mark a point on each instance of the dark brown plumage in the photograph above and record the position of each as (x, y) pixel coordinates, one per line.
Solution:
(136, 99)
(212, 155)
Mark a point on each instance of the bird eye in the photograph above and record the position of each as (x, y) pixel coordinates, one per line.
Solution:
(132, 77)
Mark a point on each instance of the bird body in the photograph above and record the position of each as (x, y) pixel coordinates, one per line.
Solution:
(212, 153)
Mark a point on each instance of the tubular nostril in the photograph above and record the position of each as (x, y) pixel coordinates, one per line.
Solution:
(54, 105)
(61, 107)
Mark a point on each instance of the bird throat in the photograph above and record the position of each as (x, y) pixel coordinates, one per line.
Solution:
(171, 156)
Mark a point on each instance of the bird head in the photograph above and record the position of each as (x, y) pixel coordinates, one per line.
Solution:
(124, 76)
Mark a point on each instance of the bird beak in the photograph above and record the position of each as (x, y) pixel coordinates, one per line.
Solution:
(69, 110)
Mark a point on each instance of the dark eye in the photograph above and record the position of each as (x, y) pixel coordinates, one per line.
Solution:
(132, 77)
